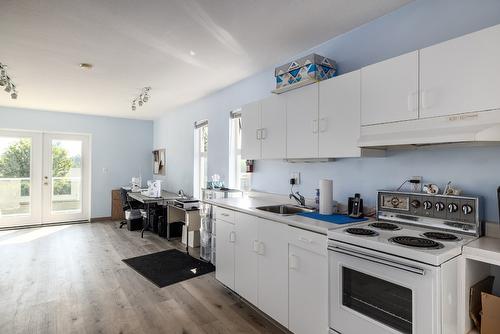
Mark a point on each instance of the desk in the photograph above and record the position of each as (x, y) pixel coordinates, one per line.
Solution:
(148, 201)
(190, 218)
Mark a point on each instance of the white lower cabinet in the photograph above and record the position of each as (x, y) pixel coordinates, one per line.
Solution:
(273, 270)
(308, 282)
(280, 269)
(261, 265)
(246, 249)
(224, 270)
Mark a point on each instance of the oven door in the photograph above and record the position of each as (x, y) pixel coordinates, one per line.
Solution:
(373, 292)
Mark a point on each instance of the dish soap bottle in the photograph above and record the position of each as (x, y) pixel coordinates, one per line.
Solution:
(316, 199)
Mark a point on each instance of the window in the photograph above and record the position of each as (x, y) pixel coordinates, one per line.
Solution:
(238, 177)
(200, 157)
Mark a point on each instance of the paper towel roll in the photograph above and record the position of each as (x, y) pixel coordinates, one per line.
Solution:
(326, 197)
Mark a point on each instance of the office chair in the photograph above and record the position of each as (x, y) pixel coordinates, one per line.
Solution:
(127, 206)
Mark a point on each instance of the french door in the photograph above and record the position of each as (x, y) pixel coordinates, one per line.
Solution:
(44, 178)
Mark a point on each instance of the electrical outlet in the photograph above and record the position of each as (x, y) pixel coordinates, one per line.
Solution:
(296, 177)
(416, 179)
(416, 183)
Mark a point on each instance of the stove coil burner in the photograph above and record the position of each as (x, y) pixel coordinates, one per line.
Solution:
(361, 231)
(385, 226)
(440, 236)
(416, 242)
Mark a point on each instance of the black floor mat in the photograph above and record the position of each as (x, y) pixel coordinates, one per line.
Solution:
(168, 267)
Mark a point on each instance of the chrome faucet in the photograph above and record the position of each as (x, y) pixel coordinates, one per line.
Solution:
(299, 198)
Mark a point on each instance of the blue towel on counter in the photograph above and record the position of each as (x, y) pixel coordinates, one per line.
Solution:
(334, 218)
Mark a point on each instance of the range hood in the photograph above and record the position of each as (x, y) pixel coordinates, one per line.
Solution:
(477, 127)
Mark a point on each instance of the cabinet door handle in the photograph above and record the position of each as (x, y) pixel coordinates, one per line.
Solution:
(258, 134)
(232, 237)
(263, 134)
(323, 124)
(293, 262)
(224, 214)
(256, 246)
(412, 101)
(315, 126)
(305, 240)
(262, 248)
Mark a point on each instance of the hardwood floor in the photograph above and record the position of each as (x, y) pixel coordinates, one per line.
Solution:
(70, 279)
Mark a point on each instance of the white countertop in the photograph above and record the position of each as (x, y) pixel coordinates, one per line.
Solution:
(248, 205)
(485, 249)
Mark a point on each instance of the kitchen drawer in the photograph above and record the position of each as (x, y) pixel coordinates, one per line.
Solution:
(312, 241)
(224, 214)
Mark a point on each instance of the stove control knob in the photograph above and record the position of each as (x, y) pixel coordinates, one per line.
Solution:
(452, 207)
(415, 204)
(427, 205)
(439, 206)
(466, 209)
(395, 202)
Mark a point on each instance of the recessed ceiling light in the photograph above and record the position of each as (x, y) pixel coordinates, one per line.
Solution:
(192, 53)
(86, 66)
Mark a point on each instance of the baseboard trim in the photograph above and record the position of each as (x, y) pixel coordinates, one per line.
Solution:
(22, 227)
(100, 219)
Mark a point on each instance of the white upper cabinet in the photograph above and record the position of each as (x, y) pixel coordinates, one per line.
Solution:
(273, 134)
(339, 116)
(461, 75)
(389, 90)
(251, 131)
(302, 122)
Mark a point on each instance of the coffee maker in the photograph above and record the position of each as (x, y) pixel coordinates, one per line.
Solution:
(355, 206)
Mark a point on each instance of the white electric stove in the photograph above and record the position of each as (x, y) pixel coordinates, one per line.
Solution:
(398, 274)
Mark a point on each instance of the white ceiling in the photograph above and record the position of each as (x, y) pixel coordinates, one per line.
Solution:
(147, 43)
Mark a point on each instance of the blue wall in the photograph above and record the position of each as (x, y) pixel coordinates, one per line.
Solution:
(416, 25)
(123, 146)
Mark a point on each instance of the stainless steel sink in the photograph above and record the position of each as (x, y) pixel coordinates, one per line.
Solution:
(284, 209)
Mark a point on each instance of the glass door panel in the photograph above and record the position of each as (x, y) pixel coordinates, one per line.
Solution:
(65, 181)
(66, 176)
(19, 192)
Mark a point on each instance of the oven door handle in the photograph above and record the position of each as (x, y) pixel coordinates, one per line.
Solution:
(376, 259)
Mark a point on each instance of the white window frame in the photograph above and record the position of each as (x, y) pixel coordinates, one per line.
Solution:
(235, 173)
(200, 174)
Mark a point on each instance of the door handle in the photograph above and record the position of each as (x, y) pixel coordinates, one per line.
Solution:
(46, 180)
(305, 240)
(410, 102)
(293, 262)
(262, 248)
(232, 237)
(315, 125)
(263, 133)
(256, 246)
(258, 134)
(323, 124)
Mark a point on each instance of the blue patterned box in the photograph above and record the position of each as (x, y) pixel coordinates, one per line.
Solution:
(303, 71)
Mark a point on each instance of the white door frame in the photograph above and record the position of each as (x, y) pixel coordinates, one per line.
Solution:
(39, 199)
(47, 215)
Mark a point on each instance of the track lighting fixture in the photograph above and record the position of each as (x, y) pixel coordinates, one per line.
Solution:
(141, 99)
(6, 81)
